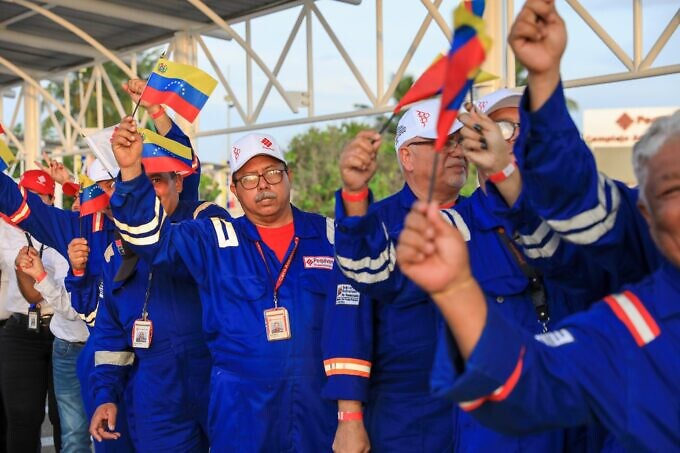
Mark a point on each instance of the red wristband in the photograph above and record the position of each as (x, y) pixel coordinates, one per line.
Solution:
(158, 114)
(78, 272)
(41, 277)
(350, 416)
(358, 196)
(503, 174)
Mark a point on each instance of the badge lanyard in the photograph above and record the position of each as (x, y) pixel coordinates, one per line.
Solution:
(30, 244)
(33, 310)
(276, 320)
(142, 329)
(284, 269)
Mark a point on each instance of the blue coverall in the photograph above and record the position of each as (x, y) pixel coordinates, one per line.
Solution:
(264, 395)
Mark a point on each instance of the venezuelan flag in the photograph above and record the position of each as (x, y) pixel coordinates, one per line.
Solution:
(428, 84)
(92, 197)
(183, 88)
(6, 156)
(161, 154)
(468, 51)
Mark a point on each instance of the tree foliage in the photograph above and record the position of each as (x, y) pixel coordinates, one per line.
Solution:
(313, 158)
(208, 188)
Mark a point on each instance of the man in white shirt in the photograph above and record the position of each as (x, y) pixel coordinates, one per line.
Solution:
(26, 355)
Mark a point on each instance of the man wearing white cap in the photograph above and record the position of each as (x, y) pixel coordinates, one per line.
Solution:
(263, 279)
(380, 353)
(365, 253)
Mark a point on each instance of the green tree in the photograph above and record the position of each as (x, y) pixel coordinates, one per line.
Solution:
(208, 188)
(313, 159)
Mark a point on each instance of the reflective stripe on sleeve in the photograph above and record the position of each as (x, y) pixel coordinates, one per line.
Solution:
(117, 358)
(630, 311)
(347, 366)
(24, 210)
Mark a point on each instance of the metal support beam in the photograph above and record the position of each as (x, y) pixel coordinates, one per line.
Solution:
(144, 17)
(78, 32)
(31, 124)
(39, 42)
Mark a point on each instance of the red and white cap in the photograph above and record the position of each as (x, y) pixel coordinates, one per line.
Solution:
(499, 99)
(251, 145)
(421, 121)
(37, 181)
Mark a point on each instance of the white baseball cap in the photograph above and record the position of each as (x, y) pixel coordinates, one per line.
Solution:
(251, 145)
(421, 121)
(96, 172)
(499, 99)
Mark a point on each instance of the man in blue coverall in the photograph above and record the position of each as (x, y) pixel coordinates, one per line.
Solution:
(617, 363)
(373, 351)
(613, 364)
(263, 279)
(365, 238)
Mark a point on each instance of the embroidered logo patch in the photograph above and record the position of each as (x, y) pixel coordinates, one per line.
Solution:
(318, 262)
(556, 338)
(423, 117)
(346, 295)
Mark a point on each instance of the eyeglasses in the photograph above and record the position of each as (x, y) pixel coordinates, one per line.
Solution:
(451, 142)
(273, 176)
(508, 129)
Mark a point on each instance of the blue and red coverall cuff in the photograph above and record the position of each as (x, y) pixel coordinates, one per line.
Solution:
(344, 387)
(495, 365)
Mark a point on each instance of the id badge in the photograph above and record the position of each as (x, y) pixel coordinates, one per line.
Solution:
(34, 319)
(142, 331)
(277, 324)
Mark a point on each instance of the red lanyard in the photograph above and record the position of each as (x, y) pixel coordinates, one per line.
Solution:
(284, 269)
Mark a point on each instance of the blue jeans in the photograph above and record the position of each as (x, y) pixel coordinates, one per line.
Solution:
(75, 437)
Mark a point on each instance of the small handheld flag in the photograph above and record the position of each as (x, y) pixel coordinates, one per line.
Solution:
(161, 154)
(92, 197)
(469, 47)
(427, 85)
(6, 156)
(183, 88)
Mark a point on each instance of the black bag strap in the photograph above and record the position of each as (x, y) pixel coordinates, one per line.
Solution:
(536, 287)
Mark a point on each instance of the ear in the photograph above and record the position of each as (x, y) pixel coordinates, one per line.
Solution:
(289, 172)
(405, 158)
(645, 212)
(179, 183)
(232, 188)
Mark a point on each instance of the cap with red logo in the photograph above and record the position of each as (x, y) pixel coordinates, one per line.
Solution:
(499, 99)
(37, 181)
(251, 145)
(421, 121)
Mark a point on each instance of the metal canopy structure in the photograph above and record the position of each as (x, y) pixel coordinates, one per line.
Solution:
(55, 36)
(44, 40)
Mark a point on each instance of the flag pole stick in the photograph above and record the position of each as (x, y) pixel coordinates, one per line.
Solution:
(387, 123)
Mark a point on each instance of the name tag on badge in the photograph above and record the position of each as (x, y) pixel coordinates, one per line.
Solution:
(142, 331)
(277, 324)
(33, 319)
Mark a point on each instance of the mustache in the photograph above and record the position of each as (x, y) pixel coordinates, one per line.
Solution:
(265, 195)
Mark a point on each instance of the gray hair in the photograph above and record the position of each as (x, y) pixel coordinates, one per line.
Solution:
(661, 130)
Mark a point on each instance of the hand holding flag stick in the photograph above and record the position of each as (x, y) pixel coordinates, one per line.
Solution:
(469, 47)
